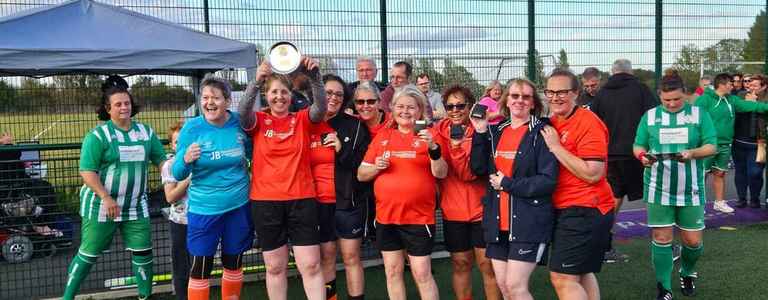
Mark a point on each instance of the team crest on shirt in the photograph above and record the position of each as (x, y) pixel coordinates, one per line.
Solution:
(416, 143)
(137, 135)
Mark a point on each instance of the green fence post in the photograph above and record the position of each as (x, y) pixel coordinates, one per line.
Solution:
(383, 27)
(659, 39)
(765, 39)
(532, 72)
(206, 19)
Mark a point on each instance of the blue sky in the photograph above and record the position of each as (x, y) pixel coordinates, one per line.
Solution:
(478, 34)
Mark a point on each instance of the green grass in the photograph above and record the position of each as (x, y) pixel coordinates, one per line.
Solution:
(733, 267)
(59, 128)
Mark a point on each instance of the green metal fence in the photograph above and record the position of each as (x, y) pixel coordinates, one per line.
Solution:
(467, 42)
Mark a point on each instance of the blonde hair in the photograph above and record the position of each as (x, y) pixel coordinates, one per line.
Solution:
(493, 84)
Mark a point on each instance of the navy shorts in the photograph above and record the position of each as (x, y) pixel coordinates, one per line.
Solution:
(233, 228)
(326, 221)
(582, 235)
(520, 251)
(349, 223)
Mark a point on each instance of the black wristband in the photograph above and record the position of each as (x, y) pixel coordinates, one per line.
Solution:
(434, 154)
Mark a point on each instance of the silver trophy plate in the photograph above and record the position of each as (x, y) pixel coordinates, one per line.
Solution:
(284, 58)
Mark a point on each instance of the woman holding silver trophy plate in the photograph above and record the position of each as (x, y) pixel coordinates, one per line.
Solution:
(282, 188)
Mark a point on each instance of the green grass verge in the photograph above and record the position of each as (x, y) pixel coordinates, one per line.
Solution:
(733, 267)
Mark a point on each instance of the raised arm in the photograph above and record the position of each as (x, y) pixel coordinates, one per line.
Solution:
(252, 101)
(319, 101)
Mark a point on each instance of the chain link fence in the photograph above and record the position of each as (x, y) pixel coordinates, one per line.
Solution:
(468, 42)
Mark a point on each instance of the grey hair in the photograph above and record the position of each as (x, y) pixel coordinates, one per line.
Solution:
(368, 86)
(219, 83)
(410, 90)
(621, 65)
(365, 59)
(590, 73)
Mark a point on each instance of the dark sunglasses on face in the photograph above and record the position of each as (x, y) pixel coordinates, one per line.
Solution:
(519, 96)
(460, 106)
(366, 101)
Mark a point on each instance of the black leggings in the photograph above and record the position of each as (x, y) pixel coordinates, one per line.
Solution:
(203, 265)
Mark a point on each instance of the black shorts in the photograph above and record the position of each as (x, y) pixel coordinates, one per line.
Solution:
(326, 221)
(463, 236)
(417, 240)
(626, 178)
(520, 251)
(349, 223)
(582, 235)
(278, 221)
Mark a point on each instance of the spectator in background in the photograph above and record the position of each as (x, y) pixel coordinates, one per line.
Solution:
(399, 76)
(590, 81)
(749, 146)
(620, 104)
(704, 83)
(366, 70)
(490, 99)
(176, 196)
(722, 106)
(738, 84)
(301, 93)
(424, 83)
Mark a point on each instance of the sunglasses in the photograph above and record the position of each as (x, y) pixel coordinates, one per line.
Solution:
(519, 96)
(460, 106)
(366, 101)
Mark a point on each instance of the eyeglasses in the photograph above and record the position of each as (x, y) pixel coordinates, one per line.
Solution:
(519, 96)
(558, 94)
(747, 80)
(366, 101)
(460, 106)
(332, 93)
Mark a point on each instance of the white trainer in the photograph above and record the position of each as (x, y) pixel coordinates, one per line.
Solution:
(722, 206)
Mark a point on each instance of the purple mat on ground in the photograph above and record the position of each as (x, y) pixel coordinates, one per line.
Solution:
(631, 224)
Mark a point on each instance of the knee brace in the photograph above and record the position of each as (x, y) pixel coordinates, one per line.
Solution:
(232, 262)
(201, 267)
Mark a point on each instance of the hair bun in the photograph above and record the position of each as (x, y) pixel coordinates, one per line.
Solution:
(114, 81)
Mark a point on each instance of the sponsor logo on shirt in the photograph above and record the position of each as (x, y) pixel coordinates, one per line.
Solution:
(510, 155)
(404, 154)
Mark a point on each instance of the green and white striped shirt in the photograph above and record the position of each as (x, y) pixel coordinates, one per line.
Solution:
(121, 160)
(669, 182)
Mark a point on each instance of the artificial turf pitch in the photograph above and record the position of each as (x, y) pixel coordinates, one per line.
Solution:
(734, 266)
